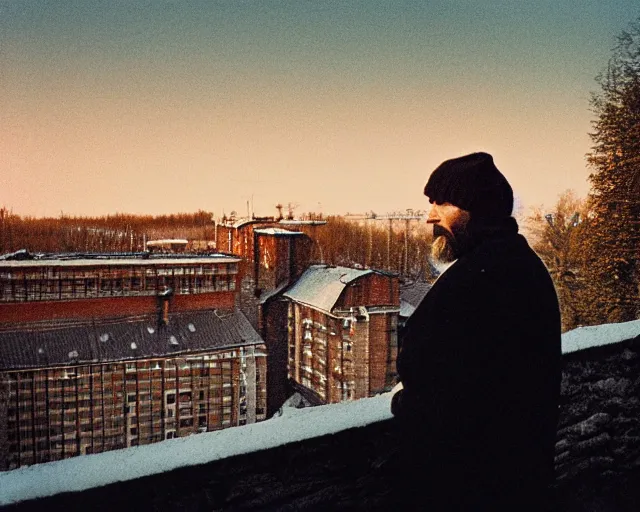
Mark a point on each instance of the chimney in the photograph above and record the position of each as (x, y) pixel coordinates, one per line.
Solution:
(163, 306)
(165, 312)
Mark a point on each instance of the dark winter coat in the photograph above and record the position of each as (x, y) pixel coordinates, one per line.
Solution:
(480, 366)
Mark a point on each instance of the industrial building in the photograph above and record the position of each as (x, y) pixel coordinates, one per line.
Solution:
(99, 352)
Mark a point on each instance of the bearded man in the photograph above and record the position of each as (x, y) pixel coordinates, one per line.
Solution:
(480, 357)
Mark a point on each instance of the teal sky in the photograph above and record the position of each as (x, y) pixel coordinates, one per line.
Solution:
(167, 106)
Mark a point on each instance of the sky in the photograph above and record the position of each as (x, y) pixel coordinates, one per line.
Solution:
(293, 425)
(164, 106)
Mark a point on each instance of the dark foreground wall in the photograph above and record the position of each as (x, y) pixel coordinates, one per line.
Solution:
(597, 459)
(598, 448)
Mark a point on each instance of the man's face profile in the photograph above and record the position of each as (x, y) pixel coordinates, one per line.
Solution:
(449, 223)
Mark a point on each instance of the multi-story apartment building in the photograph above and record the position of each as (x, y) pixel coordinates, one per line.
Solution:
(342, 332)
(102, 352)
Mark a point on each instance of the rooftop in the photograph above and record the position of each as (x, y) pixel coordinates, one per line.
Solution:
(321, 286)
(124, 339)
(277, 231)
(168, 241)
(111, 259)
(411, 295)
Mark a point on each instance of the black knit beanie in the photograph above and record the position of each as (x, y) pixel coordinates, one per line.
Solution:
(473, 183)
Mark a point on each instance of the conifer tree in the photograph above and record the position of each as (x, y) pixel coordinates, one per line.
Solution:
(614, 241)
(558, 236)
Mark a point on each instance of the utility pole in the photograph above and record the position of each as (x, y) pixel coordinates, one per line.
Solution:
(389, 244)
(406, 247)
(408, 217)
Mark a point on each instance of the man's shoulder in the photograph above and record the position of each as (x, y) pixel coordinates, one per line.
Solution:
(501, 254)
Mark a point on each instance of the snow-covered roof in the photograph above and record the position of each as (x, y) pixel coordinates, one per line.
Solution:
(599, 335)
(168, 241)
(131, 260)
(303, 222)
(411, 296)
(406, 309)
(277, 231)
(242, 222)
(320, 286)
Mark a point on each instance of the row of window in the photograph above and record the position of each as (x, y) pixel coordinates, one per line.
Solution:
(71, 288)
(111, 272)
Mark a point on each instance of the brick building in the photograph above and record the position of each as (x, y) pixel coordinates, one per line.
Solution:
(102, 286)
(342, 332)
(103, 352)
(237, 237)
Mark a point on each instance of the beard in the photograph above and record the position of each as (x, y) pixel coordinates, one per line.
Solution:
(445, 248)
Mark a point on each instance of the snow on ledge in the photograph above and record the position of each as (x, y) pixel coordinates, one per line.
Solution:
(89, 471)
(599, 335)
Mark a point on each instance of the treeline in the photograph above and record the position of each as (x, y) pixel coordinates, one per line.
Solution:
(397, 246)
(592, 247)
(111, 233)
(400, 247)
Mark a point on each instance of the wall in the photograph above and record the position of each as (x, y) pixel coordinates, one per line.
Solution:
(51, 414)
(16, 313)
(383, 338)
(597, 461)
(275, 334)
(371, 290)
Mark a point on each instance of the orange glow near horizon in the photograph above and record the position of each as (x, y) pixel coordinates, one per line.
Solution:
(165, 111)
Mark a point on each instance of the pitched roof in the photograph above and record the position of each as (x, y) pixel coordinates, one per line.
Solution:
(320, 286)
(277, 231)
(123, 339)
(411, 296)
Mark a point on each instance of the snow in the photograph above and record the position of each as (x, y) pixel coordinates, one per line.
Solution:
(121, 262)
(165, 241)
(599, 335)
(80, 473)
(406, 309)
(277, 231)
(320, 286)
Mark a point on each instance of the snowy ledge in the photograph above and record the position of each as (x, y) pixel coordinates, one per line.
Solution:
(91, 471)
(599, 335)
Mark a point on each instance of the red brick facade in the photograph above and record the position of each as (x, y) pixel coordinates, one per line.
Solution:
(56, 413)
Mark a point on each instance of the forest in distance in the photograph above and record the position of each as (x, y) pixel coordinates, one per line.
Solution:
(562, 236)
(366, 243)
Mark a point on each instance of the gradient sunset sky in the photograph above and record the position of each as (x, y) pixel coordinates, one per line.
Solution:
(167, 106)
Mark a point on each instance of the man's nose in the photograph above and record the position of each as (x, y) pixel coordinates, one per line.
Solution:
(433, 216)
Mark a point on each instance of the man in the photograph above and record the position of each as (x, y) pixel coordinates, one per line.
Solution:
(480, 357)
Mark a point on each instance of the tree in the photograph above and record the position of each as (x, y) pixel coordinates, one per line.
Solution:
(613, 247)
(558, 237)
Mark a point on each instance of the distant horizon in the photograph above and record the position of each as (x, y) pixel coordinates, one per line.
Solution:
(336, 106)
